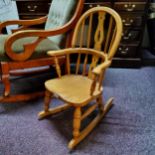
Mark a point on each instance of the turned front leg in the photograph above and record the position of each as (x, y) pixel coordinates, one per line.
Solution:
(47, 100)
(100, 103)
(5, 78)
(77, 122)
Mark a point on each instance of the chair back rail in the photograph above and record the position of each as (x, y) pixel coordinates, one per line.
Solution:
(99, 28)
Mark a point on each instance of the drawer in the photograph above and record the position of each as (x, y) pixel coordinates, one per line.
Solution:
(91, 5)
(33, 7)
(131, 0)
(132, 19)
(131, 35)
(127, 51)
(96, 1)
(130, 6)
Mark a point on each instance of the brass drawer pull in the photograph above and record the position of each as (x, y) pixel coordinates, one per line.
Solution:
(32, 8)
(129, 7)
(90, 5)
(127, 37)
(129, 23)
(123, 51)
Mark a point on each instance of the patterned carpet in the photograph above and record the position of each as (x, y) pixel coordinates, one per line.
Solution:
(128, 129)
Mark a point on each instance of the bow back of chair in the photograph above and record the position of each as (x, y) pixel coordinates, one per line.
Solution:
(60, 12)
(99, 28)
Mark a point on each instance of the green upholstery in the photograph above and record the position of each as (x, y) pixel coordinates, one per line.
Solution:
(40, 51)
(60, 12)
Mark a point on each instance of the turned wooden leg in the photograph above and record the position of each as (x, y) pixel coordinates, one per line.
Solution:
(99, 100)
(76, 128)
(5, 78)
(50, 111)
(47, 100)
(77, 122)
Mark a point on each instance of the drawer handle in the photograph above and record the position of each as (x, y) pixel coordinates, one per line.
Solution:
(124, 52)
(32, 8)
(127, 24)
(90, 5)
(129, 7)
(127, 37)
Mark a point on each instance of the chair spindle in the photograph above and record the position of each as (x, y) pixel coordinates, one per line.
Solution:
(57, 66)
(68, 63)
(89, 30)
(99, 34)
(85, 64)
(78, 63)
(108, 35)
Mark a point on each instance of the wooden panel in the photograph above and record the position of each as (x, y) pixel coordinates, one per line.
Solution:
(127, 51)
(33, 7)
(130, 6)
(131, 35)
(131, 0)
(132, 19)
(91, 5)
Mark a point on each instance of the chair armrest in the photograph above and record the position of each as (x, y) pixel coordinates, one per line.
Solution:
(98, 70)
(41, 34)
(23, 23)
(60, 52)
(75, 50)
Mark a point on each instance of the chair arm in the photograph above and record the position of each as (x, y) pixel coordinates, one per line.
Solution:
(76, 50)
(23, 23)
(98, 70)
(59, 52)
(41, 34)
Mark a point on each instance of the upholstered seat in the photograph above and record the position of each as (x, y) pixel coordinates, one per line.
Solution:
(39, 52)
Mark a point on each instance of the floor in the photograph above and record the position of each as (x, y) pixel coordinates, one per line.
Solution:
(128, 129)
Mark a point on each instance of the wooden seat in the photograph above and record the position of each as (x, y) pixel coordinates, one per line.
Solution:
(93, 47)
(71, 90)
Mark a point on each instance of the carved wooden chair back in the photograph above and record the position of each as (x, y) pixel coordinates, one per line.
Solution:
(99, 28)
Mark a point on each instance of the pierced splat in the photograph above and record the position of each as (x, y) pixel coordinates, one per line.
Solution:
(99, 34)
(57, 66)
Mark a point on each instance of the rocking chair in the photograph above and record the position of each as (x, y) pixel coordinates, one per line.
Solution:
(26, 48)
(94, 44)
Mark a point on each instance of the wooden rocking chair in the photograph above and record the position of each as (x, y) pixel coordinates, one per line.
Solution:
(27, 47)
(78, 89)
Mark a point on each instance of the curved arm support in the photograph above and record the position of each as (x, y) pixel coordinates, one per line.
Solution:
(23, 23)
(76, 50)
(41, 34)
(98, 69)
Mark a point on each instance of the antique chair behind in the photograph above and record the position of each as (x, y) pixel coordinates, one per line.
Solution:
(83, 86)
(26, 48)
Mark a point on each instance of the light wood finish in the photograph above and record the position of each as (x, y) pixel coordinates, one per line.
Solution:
(83, 84)
(23, 60)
